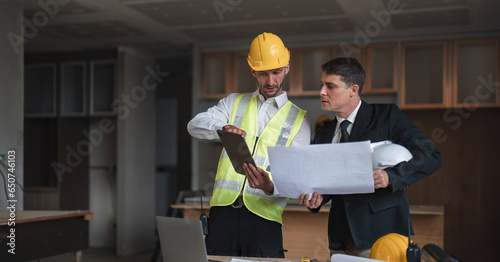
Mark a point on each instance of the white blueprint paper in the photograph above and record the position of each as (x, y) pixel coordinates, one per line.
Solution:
(340, 168)
(348, 258)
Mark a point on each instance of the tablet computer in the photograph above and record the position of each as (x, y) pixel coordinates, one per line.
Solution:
(236, 149)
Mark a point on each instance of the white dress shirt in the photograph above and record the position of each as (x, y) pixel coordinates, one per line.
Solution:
(351, 118)
(205, 124)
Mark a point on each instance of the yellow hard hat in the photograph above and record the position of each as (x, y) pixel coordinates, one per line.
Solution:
(391, 247)
(321, 122)
(267, 52)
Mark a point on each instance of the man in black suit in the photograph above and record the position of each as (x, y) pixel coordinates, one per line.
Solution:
(356, 221)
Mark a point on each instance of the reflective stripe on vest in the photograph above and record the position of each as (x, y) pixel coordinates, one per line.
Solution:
(236, 186)
(280, 131)
(287, 127)
(259, 160)
(237, 117)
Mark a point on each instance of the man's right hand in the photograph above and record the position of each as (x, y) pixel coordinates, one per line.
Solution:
(233, 129)
(312, 203)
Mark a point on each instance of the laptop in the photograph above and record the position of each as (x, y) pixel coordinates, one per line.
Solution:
(181, 239)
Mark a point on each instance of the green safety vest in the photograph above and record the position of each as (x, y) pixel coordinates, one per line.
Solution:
(279, 132)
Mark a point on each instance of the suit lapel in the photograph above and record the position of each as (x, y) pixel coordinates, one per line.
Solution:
(325, 134)
(331, 130)
(361, 122)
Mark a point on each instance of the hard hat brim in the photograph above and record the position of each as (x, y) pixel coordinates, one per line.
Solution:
(280, 64)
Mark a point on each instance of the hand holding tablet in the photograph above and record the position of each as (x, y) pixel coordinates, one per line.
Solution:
(236, 149)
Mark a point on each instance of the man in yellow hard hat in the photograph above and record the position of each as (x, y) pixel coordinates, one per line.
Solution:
(245, 213)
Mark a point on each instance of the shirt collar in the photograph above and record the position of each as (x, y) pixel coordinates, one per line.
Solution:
(351, 117)
(278, 100)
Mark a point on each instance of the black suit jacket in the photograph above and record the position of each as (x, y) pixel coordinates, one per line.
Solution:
(370, 216)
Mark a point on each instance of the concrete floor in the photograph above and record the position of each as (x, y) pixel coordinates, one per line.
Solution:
(98, 255)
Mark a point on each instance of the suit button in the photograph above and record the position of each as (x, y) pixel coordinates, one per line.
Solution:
(347, 203)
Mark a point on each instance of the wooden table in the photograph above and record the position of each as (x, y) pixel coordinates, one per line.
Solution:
(305, 233)
(38, 234)
(228, 259)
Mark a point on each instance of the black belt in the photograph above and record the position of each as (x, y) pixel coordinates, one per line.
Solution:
(238, 203)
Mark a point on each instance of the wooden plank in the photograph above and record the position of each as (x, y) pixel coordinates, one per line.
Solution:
(305, 235)
(26, 216)
(44, 238)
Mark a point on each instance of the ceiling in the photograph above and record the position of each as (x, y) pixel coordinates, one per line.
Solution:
(169, 27)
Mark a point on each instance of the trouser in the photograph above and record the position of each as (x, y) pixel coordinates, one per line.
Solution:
(238, 232)
(342, 241)
(351, 248)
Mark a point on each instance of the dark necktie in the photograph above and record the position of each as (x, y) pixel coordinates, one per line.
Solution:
(343, 129)
(338, 240)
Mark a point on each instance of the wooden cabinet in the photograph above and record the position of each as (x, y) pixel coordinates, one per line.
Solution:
(40, 149)
(381, 69)
(379, 61)
(305, 70)
(243, 80)
(425, 75)
(73, 88)
(476, 73)
(60, 98)
(451, 73)
(84, 88)
(215, 75)
(102, 87)
(346, 50)
(40, 90)
(223, 73)
(434, 74)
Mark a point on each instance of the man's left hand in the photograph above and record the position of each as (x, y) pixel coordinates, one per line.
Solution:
(258, 178)
(314, 202)
(380, 178)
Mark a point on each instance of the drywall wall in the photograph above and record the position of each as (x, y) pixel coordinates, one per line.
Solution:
(136, 148)
(11, 100)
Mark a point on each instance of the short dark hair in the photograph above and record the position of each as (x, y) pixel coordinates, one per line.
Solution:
(348, 68)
